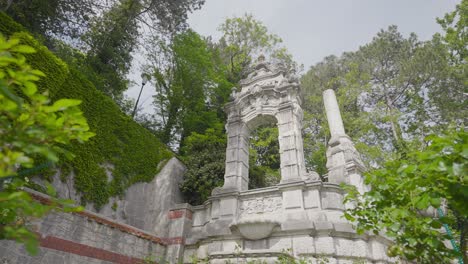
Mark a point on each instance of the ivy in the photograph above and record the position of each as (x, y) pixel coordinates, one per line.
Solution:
(127, 149)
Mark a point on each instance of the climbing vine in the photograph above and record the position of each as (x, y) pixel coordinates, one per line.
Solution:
(121, 145)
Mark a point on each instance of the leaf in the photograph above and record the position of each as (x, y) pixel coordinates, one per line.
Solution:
(23, 49)
(50, 190)
(8, 94)
(349, 217)
(435, 202)
(63, 104)
(422, 202)
(442, 166)
(436, 224)
(32, 246)
(395, 226)
(30, 88)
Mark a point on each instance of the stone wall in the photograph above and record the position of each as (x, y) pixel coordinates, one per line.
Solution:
(125, 230)
(84, 237)
(144, 205)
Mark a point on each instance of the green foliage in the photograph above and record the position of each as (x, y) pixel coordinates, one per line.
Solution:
(48, 18)
(392, 92)
(107, 32)
(451, 100)
(243, 39)
(31, 126)
(405, 193)
(119, 141)
(9, 26)
(287, 258)
(205, 165)
(190, 90)
(111, 40)
(264, 158)
(456, 36)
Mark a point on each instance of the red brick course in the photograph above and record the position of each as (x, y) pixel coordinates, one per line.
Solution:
(174, 241)
(86, 251)
(175, 214)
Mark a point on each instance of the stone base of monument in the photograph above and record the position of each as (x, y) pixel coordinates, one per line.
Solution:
(300, 220)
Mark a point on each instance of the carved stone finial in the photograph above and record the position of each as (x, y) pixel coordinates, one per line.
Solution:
(261, 58)
(233, 94)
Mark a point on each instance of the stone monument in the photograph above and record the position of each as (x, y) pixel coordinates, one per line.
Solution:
(302, 216)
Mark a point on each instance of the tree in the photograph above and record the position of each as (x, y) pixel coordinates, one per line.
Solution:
(245, 38)
(51, 18)
(451, 99)
(110, 41)
(409, 192)
(454, 24)
(387, 92)
(188, 90)
(264, 158)
(205, 163)
(106, 32)
(30, 127)
(406, 194)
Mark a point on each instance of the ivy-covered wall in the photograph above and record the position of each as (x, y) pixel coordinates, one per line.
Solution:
(133, 151)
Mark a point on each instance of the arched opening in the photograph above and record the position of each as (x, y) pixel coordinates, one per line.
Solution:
(264, 156)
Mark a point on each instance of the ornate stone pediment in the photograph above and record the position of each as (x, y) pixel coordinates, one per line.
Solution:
(265, 76)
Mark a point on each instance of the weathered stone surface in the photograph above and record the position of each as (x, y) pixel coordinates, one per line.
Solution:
(145, 205)
(89, 241)
(333, 113)
(268, 95)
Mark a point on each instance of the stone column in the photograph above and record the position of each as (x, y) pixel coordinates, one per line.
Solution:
(343, 162)
(290, 143)
(236, 177)
(333, 113)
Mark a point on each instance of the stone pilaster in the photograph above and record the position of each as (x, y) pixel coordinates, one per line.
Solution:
(180, 218)
(236, 177)
(290, 142)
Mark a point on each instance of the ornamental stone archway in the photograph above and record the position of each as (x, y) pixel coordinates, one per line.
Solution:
(302, 213)
(268, 93)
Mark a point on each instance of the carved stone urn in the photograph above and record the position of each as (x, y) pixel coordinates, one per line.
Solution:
(254, 228)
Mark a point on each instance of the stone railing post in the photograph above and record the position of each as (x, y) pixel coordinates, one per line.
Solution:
(180, 218)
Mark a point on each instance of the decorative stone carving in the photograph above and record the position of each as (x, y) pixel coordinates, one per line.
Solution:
(261, 205)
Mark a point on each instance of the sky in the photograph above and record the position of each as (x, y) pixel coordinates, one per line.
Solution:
(312, 30)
